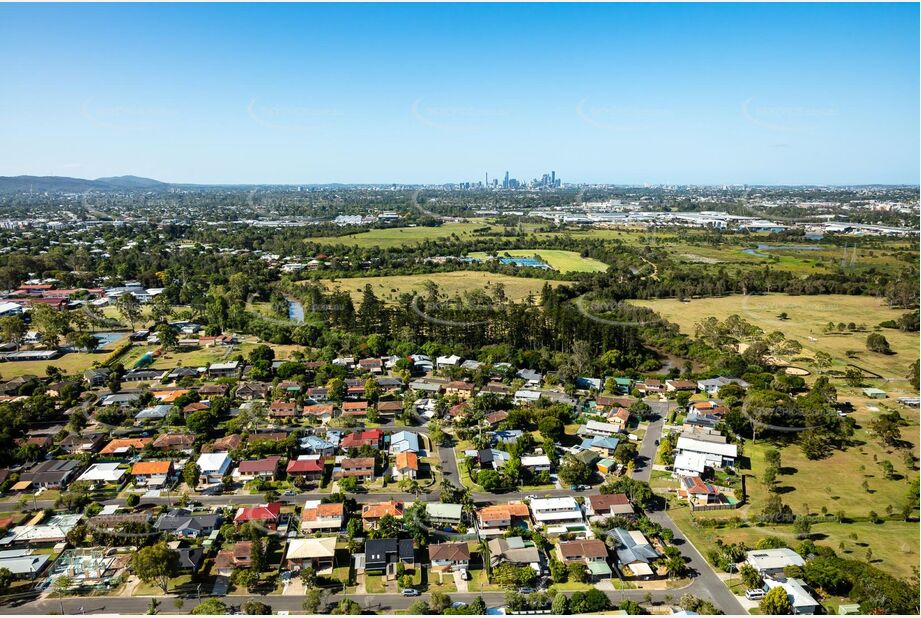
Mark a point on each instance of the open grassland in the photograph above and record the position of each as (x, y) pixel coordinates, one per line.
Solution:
(73, 363)
(199, 357)
(401, 236)
(836, 482)
(807, 318)
(894, 544)
(562, 261)
(390, 287)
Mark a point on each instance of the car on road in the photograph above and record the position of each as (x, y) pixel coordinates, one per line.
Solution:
(409, 592)
(290, 492)
(657, 443)
(458, 605)
(526, 590)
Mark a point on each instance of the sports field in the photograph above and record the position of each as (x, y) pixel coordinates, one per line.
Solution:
(562, 261)
(389, 288)
(808, 316)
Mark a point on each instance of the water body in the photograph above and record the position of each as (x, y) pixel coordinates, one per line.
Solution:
(763, 247)
(295, 310)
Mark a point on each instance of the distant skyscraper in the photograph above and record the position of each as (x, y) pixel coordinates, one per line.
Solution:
(505, 182)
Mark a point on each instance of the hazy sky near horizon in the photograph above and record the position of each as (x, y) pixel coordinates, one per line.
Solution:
(621, 93)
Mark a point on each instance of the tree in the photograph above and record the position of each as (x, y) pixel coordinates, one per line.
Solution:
(169, 340)
(573, 471)
(750, 576)
(876, 342)
(201, 421)
(156, 564)
(551, 428)
(439, 602)
(577, 572)
(13, 329)
(129, 308)
(252, 607)
(153, 606)
(560, 605)
(776, 603)
(490, 480)
(132, 500)
(210, 607)
(6, 578)
(313, 600)
(190, 474)
(346, 607)
(50, 323)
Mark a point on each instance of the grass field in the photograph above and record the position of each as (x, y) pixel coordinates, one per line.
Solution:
(836, 481)
(807, 317)
(390, 287)
(201, 356)
(400, 236)
(894, 543)
(562, 261)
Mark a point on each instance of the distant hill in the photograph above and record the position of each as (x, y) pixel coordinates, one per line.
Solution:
(63, 184)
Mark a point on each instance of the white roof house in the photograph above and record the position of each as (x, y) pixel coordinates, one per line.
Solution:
(214, 464)
(715, 454)
(768, 561)
(597, 428)
(536, 462)
(526, 396)
(689, 464)
(102, 473)
(555, 510)
(447, 361)
(800, 599)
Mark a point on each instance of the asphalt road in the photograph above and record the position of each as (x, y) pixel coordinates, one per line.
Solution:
(293, 603)
(642, 469)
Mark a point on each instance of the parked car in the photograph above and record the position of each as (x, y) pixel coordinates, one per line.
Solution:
(526, 590)
(754, 594)
(465, 574)
(458, 605)
(409, 592)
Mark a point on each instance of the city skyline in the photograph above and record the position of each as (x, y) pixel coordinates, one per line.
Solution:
(620, 94)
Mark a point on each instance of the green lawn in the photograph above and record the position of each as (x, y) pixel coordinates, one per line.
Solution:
(374, 583)
(807, 317)
(389, 288)
(401, 236)
(894, 544)
(563, 261)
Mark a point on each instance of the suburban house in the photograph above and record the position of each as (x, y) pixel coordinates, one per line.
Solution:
(443, 514)
(283, 409)
(181, 522)
(308, 467)
(383, 555)
(317, 516)
(361, 468)
(597, 428)
(213, 467)
(176, 442)
(605, 446)
(406, 466)
(496, 519)
(536, 463)
(317, 446)
(601, 506)
(52, 473)
(697, 492)
(460, 389)
(103, 473)
(772, 562)
(516, 551)
(266, 468)
(354, 408)
(713, 385)
(680, 385)
(634, 552)
(553, 512)
(403, 441)
(124, 447)
(372, 513)
(230, 369)
(592, 552)
(693, 456)
(265, 515)
(316, 553)
(253, 390)
(803, 603)
(152, 473)
(449, 556)
(357, 439)
(324, 412)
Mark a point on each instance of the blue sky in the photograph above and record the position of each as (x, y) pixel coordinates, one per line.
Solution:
(719, 93)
